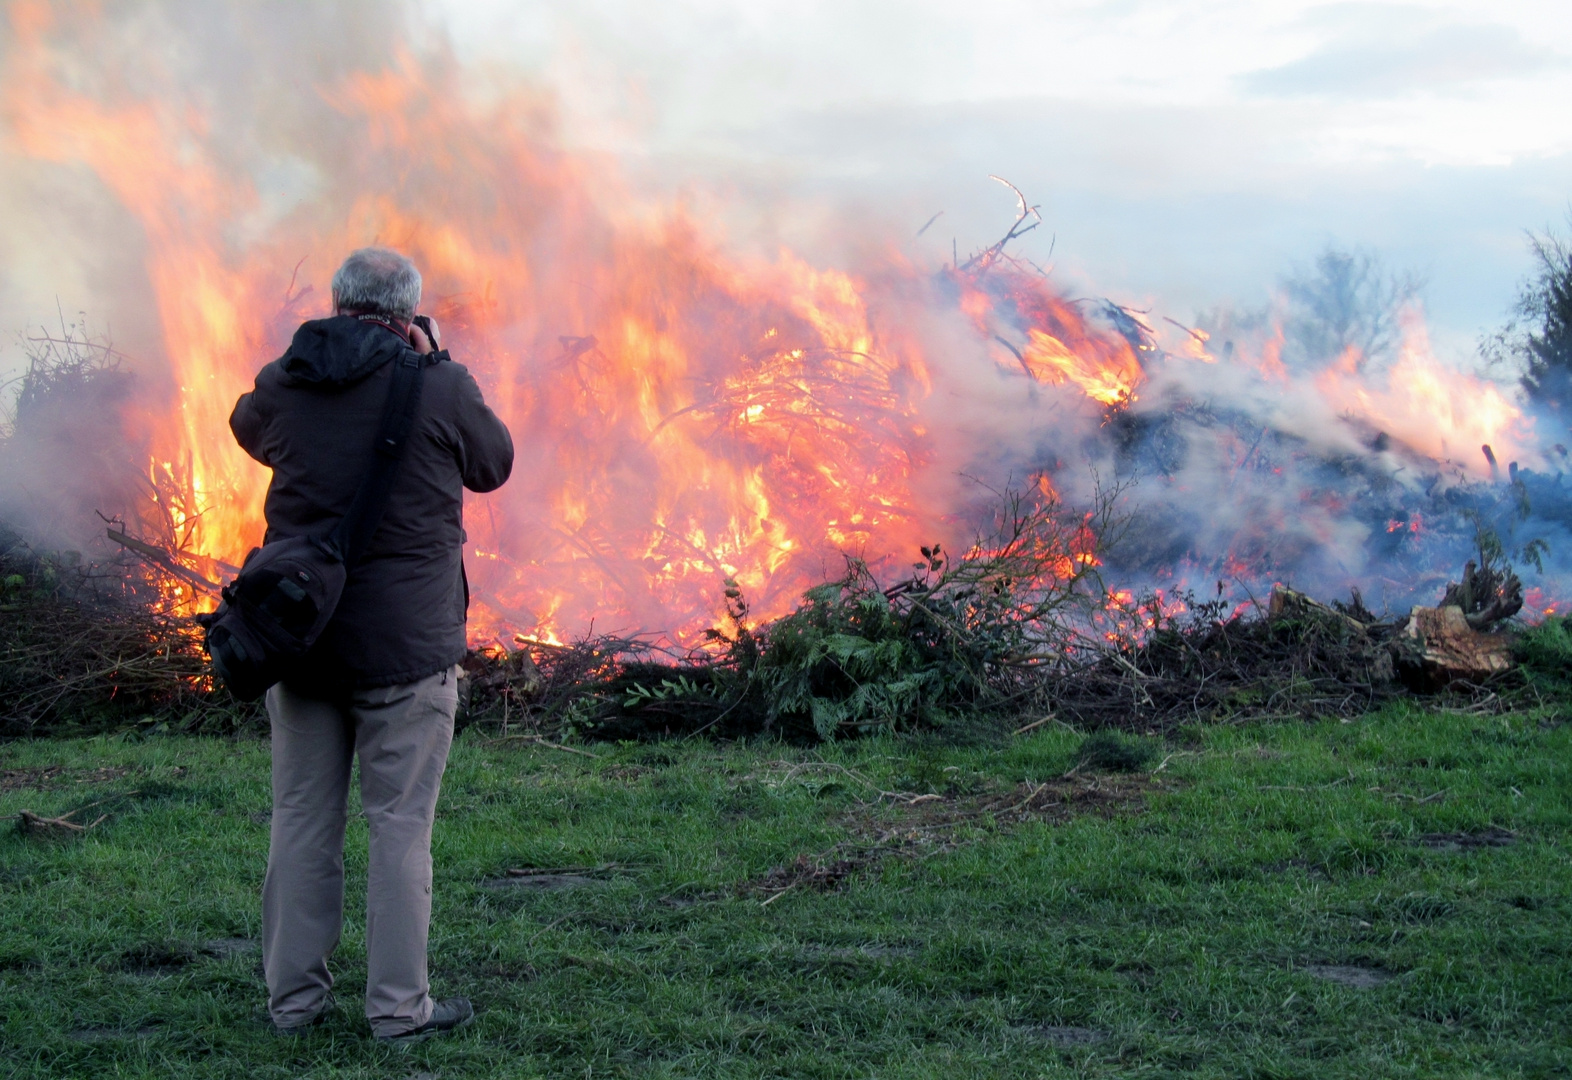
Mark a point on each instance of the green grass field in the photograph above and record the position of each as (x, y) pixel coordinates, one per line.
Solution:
(1391, 897)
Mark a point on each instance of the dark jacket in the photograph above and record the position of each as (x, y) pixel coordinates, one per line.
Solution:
(312, 419)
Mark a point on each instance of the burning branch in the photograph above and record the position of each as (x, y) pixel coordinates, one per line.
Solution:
(164, 560)
(979, 264)
(961, 636)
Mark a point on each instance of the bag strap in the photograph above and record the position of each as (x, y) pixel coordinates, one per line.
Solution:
(354, 531)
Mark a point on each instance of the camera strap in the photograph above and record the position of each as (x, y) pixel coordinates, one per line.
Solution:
(387, 322)
(359, 524)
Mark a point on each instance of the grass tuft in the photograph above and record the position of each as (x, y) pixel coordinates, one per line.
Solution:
(1545, 653)
(1110, 751)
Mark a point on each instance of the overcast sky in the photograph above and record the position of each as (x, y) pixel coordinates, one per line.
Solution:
(1185, 152)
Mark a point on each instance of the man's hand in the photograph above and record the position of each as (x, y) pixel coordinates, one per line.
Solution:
(430, 337)
(419, 340)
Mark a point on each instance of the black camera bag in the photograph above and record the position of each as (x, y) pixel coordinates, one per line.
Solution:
(287, 590)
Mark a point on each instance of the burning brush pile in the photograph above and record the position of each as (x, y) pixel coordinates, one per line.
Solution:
(989, 642)
(1016, 631)
(734, 449)
(1031, 621)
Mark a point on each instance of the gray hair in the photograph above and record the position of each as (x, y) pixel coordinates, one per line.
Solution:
(377, 280)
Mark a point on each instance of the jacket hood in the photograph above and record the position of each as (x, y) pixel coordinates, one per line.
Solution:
(338, 352)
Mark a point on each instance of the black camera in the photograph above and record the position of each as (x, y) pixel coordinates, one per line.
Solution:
(429, 326)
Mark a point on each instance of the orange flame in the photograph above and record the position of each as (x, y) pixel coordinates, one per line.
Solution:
(683, 415)
(1061, 346)
(1443, 413)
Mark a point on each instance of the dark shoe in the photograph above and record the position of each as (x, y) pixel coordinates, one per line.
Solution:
(445, 1016)
(300, 1029)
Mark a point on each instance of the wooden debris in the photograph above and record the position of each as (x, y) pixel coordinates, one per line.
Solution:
(1369, 657)
(31, 824)
(1452, 651)
(164, 560)
(1486, 595)
(1286, 603)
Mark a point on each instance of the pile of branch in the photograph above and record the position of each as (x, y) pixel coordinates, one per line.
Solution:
(956, 643)
(1298, 659)
(994, 636)
(550, 689)
(979, 640)
(92, 645)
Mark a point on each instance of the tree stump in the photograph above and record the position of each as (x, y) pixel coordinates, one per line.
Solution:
(1449, 650)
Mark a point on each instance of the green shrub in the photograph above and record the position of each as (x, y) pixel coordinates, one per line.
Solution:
(1545, 653)
(1109, 751)
(952, 647)
(849, 659)
(952, 641)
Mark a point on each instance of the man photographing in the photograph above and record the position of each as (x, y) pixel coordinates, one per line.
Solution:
(381, 682)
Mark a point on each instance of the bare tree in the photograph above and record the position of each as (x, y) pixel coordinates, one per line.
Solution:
(1344, 300)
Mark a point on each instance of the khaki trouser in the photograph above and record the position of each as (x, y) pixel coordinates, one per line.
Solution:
(401, 735)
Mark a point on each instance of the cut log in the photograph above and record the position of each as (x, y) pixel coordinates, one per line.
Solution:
(1449, 650)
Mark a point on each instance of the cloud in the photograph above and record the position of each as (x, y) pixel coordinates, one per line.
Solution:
(1404, 60)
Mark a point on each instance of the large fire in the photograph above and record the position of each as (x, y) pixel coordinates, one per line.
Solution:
(684, 415)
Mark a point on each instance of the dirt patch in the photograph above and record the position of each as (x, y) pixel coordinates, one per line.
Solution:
(54, 777)
(551, 878)
(625, 773)
(1469, 841)
(166, 958)
(907, 824)
(811, 874)
(1053, 802)
(157, 959)
(38, 779)
(1354, 975)
(224, 948)
(1063, 1036)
